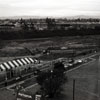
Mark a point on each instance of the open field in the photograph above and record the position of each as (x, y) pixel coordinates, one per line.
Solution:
(87, 80)
(45, 42)
(16, 48)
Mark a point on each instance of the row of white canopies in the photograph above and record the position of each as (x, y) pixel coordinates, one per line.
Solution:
(16, 63)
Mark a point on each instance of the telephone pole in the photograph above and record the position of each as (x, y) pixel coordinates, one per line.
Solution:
(73, 89)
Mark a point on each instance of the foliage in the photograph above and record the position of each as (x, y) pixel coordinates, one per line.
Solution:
(27, 34)
(51, 81)
(59, 66)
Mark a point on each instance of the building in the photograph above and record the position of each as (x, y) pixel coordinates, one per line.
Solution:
(17, 67)
(6, 27)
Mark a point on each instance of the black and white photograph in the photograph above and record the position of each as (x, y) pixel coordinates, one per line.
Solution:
(49, 49)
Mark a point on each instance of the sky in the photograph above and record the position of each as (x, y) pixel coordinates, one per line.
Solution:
(55, 8)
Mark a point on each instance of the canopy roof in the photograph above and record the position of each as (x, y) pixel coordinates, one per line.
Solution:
(16, 63)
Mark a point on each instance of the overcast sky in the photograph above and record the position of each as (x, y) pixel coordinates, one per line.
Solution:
(49, 7)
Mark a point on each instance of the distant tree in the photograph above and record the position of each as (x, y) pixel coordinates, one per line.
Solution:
(50, 23)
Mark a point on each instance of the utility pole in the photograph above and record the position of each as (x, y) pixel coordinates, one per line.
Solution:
(73, 89)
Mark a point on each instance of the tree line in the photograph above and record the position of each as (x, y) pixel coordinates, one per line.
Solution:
(25, 34)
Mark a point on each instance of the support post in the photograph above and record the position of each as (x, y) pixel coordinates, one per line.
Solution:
(73, 89)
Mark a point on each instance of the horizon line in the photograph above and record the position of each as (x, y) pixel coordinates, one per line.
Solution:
(38, 16)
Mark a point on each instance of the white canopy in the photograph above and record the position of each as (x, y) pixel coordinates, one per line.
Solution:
(16, 63)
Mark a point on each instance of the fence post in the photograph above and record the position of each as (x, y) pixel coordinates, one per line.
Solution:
(73, 89)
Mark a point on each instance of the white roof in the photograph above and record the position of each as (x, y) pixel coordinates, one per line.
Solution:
(7, 66)
(19, 62)
(11, 64)
(2, 67)
(27, 60)
(31, 60)
(24, 61)
(16, 63)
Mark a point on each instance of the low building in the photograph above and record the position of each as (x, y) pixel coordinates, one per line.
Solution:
(17, 67)
(40, 26)
(6, 27)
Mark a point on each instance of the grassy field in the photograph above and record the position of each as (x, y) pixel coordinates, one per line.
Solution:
(87, 80)
(17, 47)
